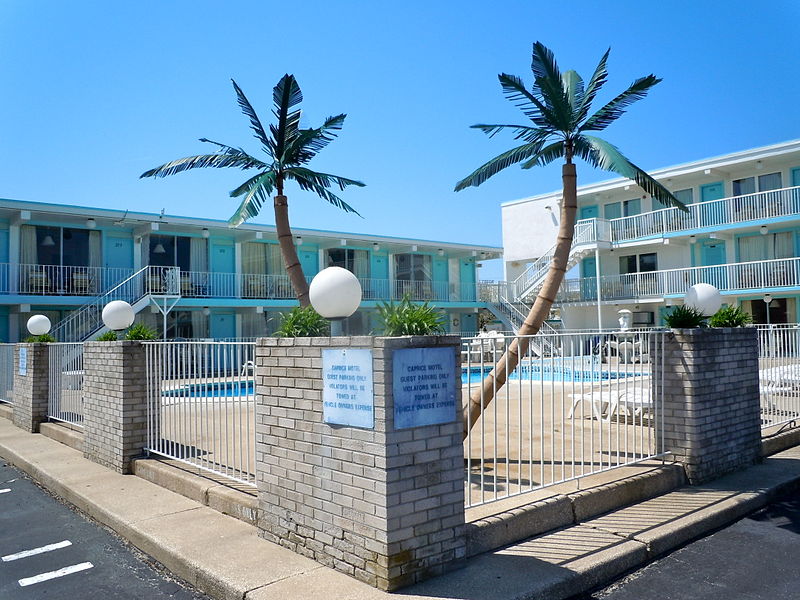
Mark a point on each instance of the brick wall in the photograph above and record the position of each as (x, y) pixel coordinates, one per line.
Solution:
(31, 390)
(711, 403)
(383, 505)
(115, 403)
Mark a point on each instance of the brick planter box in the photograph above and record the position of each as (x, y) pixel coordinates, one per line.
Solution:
(383, 501)
(711, 403)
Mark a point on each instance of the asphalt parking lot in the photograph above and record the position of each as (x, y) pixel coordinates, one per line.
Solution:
(48, 550)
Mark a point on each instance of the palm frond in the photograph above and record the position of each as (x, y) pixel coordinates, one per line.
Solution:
(605, 155)
(572, 83)
(257, 191)
(597, 81)
(250, 113)
(220, 160)
(309, 142)
(286, 95)
(498, 163)
(521, 132)
(548, 84)
(319, 183)
(514, 90)
(616, 107)
(546, 155)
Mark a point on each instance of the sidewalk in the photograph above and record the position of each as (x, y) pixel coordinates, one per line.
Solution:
(225, 558)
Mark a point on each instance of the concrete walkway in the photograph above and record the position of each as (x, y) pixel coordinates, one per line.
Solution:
(225, 558)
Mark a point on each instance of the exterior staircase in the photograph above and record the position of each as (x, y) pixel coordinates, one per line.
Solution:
(137, 290)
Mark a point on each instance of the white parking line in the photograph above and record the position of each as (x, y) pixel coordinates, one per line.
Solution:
(53, 574)
(35, 551)
(5, 491)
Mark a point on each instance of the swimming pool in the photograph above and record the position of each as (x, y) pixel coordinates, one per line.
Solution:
(213, 389)
(561, 369)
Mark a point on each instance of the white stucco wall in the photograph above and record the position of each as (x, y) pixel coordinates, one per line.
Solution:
(529, 229)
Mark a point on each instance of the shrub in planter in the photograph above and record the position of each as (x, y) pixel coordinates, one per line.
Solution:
(302, 322)
(730, 316)
(108, 336)
(140, 331)
(44, 338)
(685, 317)
(409, 318)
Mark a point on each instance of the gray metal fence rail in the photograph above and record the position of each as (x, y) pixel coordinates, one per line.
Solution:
(201, 405)
(590, 407)
(65, 399)
(7, 373)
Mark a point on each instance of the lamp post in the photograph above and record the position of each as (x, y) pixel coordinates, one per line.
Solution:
(118, 315)
(704, 297)
(38, 325)
(767, 301)
(335, 293)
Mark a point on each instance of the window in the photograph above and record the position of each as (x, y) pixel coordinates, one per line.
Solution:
(612, 211)
(171, 251)
(631, 207)
(63, 246)
(355, 261)
(744, 186)
(686, 196)
(643, 263)
(769, 182)
(412, 273)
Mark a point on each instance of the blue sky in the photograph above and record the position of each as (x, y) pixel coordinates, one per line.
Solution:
(95, 93)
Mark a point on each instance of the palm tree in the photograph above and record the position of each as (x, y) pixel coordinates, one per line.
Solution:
(558, 105)
(288, 149)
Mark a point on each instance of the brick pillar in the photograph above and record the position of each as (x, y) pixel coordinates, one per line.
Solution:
(380, 502)
(115, 403)
(31, 389)
(711, 402)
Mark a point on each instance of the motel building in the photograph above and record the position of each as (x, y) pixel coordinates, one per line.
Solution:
(198, 278)
(741, 234)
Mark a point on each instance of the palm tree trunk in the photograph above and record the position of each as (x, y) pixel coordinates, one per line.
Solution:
(483, 395)
(288, 252)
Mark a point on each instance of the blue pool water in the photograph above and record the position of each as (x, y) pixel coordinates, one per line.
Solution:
(217, 389)
(551, 370)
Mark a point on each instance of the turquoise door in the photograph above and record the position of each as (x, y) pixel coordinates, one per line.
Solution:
(309, 261)
(468, 322)
(118, 259)
(712, 252)
(713, 213)
(378, 288)
(588, 288)
(795, 194)
(222, 325)
(223, 266)
(590, 212)
(467, 276)
(441, 291)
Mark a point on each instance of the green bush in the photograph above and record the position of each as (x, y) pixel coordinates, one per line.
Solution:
(730, 316)
(140, 331)
(302, 322)
(408, 318)
(108, 336)
(685, 317)
(44, 338)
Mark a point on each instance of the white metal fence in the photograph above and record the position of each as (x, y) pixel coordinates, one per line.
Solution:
(65, 395)
(779, 374)
(7, 372)
(590, 407)
(201, 405)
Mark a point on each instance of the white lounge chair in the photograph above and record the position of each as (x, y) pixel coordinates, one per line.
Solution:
(632, 400)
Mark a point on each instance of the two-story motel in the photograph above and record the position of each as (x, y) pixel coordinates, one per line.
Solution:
(198, 278)
(741, 234)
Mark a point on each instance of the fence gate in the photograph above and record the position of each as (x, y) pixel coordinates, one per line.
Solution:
(201, 405)
(65, 400)
(7, 373)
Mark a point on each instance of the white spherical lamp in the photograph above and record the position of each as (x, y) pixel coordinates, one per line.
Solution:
(335, 293)
(703, 297)
(38, 325)
(118, 315)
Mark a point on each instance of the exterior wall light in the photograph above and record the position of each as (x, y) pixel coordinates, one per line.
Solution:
(118, 315)
(440, 252)
(763, 229)
(703, 297)
(91, 223)
(335, 293)
(299, 240)
(38, 325)
(376, 246)
(205, 233)
(692, 239)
